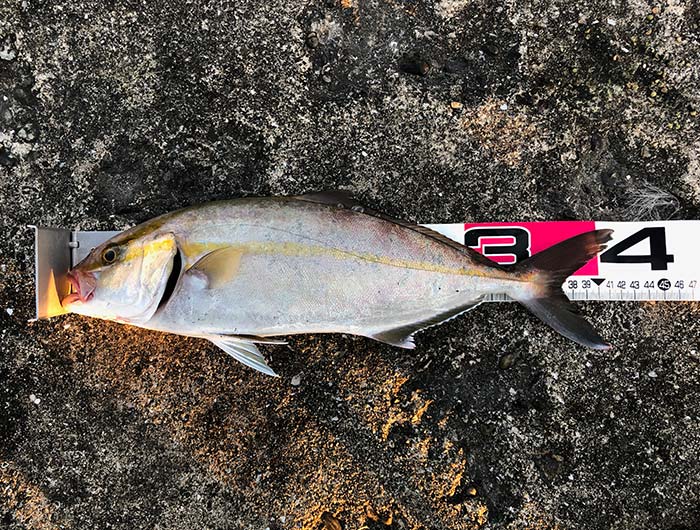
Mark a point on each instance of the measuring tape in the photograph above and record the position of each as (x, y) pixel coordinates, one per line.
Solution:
(644, 260)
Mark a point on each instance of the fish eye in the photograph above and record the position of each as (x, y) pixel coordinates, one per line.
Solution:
(109, 255)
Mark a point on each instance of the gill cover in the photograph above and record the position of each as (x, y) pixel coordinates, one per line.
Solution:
(130, 286)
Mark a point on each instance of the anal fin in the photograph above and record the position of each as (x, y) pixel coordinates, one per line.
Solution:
(402, 337)
(255, 339)
(399, 337)
(243, 351)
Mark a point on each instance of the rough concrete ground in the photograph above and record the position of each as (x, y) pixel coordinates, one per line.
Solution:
(113, 112)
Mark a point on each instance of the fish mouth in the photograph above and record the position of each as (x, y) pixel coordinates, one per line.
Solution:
(82, 286)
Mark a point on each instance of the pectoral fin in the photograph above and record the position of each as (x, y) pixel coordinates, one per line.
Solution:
(243, 351)
(219, 267)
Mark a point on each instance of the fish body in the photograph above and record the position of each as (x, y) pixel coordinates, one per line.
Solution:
(291, 266)
(241, 271)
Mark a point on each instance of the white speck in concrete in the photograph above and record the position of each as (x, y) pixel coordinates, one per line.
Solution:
(7, 54)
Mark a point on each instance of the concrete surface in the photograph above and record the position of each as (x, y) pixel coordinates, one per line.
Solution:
(113, 112)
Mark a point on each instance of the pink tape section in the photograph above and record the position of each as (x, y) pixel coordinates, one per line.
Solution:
(507, 243)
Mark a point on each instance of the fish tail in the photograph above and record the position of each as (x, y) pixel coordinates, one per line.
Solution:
(546, 271)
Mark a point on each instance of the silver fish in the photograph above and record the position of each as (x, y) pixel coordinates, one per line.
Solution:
(241, 271)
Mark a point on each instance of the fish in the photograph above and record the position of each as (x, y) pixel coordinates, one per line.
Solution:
(247, 271)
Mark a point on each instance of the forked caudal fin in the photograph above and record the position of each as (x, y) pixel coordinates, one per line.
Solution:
(548, 270)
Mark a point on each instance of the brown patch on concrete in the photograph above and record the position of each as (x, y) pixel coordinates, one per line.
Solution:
(213, 408)
(504, 132)
(532, 517)
(24, 500)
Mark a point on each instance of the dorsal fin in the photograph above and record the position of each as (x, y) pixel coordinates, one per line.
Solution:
(402, 337)
(344, 199)
(340, 198)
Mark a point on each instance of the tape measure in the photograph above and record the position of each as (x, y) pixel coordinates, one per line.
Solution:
(644, 260)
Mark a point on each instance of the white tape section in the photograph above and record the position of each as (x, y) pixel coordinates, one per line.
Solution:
(644, 260)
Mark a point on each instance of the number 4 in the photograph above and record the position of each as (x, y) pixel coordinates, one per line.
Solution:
(657, 257)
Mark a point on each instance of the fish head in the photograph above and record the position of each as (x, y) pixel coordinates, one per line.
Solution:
(123, 279)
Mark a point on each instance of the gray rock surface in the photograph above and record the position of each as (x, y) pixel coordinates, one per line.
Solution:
(113, 112)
